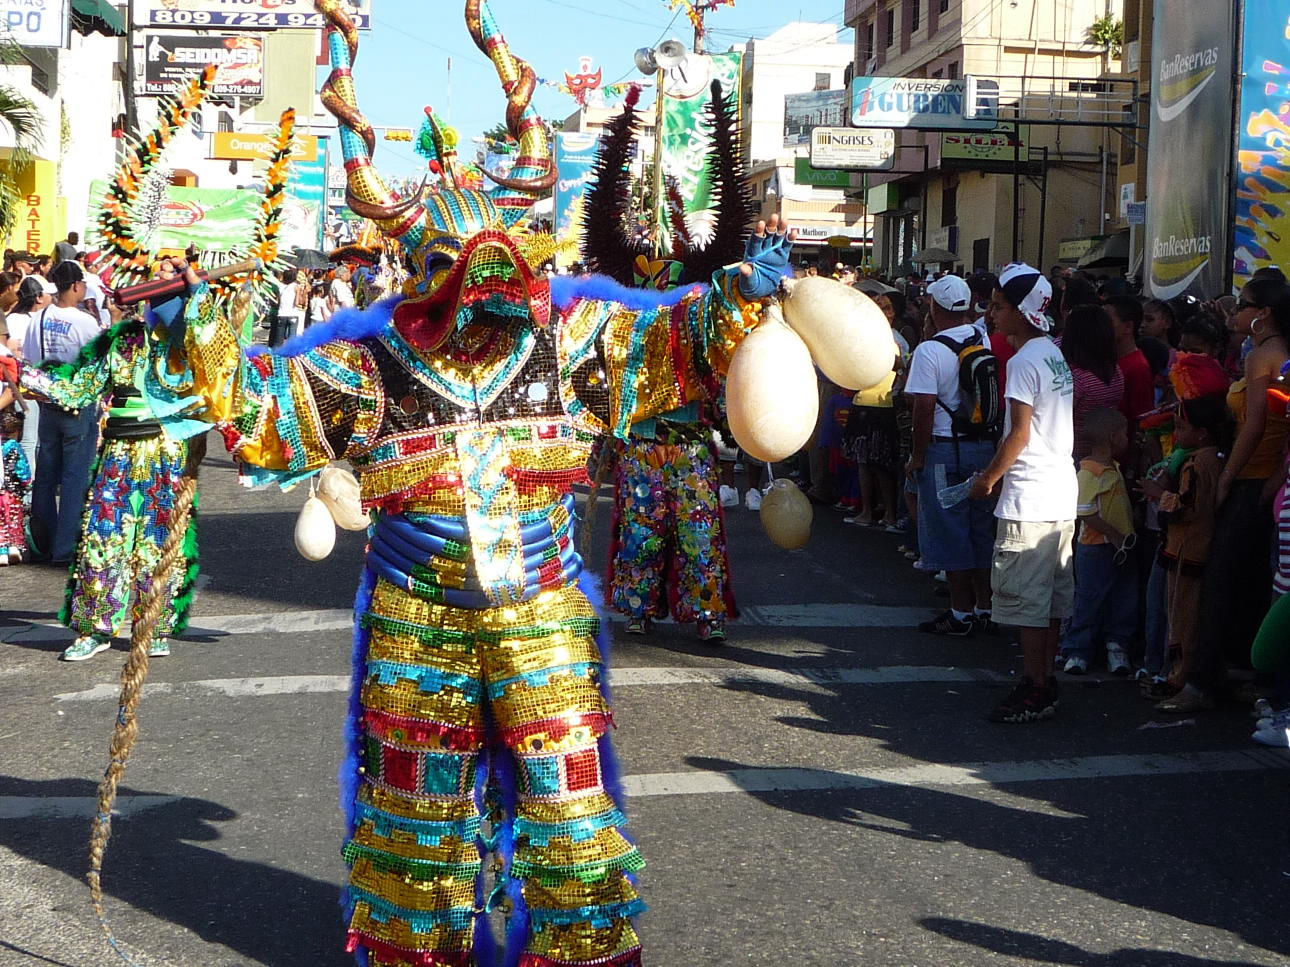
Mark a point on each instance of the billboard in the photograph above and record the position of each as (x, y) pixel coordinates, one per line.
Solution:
(924, 102)
(240, 14)
(213, 219)
(995, 150)
(854, 149)
(805, 112)
(686, 138)
(575, 154)
(1189, 177)
(172, 59)
(1263, 149)
(243, 146)
(35, 23)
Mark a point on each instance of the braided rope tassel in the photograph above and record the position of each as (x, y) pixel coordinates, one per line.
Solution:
(116, 223)
(133, 675)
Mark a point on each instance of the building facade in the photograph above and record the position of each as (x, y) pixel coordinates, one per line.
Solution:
(1043, 192)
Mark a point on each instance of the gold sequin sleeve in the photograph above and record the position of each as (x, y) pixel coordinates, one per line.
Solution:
(286, 414)
(625, 365)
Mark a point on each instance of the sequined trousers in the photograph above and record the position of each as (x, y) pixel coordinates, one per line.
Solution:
(669, 543)
(478, 737)
(127, 520)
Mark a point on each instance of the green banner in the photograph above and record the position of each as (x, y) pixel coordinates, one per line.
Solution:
(804, 174)
(213, 219)
(686, 137)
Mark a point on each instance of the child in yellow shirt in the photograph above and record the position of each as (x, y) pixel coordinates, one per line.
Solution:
(1106, 583)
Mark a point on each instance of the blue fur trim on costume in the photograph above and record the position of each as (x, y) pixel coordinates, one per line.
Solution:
(348, 325)
(517, 927)
(566, 289)
(348, 775)
(589, 585)
(486, 951)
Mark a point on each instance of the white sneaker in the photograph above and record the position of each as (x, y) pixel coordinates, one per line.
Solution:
(1075, 665)
(729, 496)
(1278, 738)
(752, 499)
(1117, 662)
(1277, 720)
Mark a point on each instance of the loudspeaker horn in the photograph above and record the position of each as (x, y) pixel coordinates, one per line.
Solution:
(645, 62)
(670, 53)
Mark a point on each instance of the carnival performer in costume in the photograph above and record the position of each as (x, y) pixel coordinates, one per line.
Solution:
(468, 408)
(145, 448)
(668, 548)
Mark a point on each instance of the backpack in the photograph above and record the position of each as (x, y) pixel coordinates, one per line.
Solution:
(980, 412)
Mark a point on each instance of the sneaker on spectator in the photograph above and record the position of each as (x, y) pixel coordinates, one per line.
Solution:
(946, 624)
(752, 499)
(1027, 702)
(1276, 736)
(638, 626)
(1117, 662)
(1075, 665)
(1276, 719)
(160, 648)
(1141, 675)
(729, 496)
(911, 555)
(1263, 709)
(986, 625)
(712, 631)
(941, 578)
(86, 646)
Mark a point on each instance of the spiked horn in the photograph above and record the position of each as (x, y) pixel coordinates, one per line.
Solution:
(366, 193)
(534, 171)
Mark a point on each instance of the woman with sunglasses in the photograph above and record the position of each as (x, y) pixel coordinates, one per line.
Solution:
(1235, 594)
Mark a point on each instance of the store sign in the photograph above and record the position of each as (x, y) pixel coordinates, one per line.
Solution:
(229, 146)
(37, 225)
(804, 174)
(1136, 212)
(170, 60)
(240, 14)
(1074, 249)
(923, 102)
(853, 149)
(1001, 146)
(803, 113)
(35, 23)
(826, 233)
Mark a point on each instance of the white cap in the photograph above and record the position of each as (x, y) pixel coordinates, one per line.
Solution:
(951, 293)
(1027, 289)
(47, 287)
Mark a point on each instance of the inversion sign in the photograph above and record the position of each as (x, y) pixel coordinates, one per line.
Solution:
(920, 102)
(853, 149)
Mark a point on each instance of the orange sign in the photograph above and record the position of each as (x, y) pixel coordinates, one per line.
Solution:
(233, 146)
(39, 223)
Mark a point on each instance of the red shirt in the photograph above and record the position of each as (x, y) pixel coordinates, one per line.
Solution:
(1139, 386)
(1003, 352)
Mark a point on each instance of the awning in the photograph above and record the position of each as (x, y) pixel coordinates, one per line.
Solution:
(97, 16)
(1111, 252)
(934, 256)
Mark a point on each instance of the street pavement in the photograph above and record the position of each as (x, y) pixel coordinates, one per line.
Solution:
(822, 790)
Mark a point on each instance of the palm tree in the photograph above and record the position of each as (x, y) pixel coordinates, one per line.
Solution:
(22, 120)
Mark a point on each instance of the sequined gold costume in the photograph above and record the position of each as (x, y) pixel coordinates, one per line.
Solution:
(468, 408)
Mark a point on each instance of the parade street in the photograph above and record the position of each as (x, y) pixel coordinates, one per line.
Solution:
(822, 790)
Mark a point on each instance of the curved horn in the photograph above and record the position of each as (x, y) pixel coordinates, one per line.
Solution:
(366, 193)
(533, 172)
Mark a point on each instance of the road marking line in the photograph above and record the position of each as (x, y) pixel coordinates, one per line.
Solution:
(618, 678)
(923, 776)
(337, 619)
(933, 774)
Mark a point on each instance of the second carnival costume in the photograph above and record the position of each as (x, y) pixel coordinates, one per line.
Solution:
(146, 444)
(668, 553)
(479, 710)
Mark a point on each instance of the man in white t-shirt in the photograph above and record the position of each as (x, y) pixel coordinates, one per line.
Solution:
(1033, 571)
(67, 441)
(958, 540)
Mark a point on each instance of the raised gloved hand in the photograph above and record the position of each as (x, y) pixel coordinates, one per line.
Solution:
(765, 258)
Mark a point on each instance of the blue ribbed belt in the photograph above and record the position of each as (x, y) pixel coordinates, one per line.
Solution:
(405, 549)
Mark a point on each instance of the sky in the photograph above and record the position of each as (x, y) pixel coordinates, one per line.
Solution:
(403, 60)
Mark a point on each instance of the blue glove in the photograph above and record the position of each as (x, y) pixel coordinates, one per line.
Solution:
(767, 256)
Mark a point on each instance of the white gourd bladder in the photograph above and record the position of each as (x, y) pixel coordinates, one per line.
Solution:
(771, 398)
(339, 490)
(315, 530)
(786, 515)
(848, 335)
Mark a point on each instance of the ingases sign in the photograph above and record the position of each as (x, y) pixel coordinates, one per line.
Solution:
(171, 59)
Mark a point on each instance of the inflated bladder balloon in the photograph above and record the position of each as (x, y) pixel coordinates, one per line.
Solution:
(786, 515)
(848, 335)
(338, 489)
(315, 530)
(771, 398)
